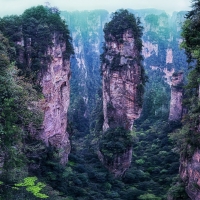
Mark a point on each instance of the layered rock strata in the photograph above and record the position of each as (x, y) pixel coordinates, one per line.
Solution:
(121, 93)
(56, 91)
(176, 107)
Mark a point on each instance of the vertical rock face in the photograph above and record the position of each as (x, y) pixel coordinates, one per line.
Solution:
(190, 174)
(176, 97)
(56, 89)
(121, 96)
(149, 49)
(122, 89)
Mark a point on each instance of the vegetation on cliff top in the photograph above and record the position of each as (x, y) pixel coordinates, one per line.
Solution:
(32, 34)
(24, 44)
(115, 141)
(122, 21)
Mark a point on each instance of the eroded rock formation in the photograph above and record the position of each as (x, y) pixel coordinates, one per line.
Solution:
(56, 90)
(121, 95)
(176, 107)
(122, 91)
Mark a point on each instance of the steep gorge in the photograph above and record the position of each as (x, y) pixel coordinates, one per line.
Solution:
(86, 30)
(162, 58)
(123, 80)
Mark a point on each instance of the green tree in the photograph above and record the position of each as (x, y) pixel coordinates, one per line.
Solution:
(32, 187)
(148, 197)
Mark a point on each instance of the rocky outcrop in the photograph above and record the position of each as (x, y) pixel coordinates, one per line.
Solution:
(56, 90)
(122, 91)
(190, 174)
(176, 107)
(160, 48)
(121, 95)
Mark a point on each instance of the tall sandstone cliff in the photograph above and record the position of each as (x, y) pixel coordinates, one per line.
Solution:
(54, 81)
(121, 96)
(43, 56)
(122, 87)
(56, 90)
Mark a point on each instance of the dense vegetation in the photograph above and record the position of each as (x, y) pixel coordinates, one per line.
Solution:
(155, 161)
(16, 123)
(114, 142)
(121, 21)
(24, 44)
(31, 34)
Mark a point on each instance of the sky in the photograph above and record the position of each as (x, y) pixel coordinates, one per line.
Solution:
(10, 7)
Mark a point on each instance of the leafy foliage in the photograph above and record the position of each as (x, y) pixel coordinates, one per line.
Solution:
(32, 35)
(190, 33)
(32, 187)
(122, 21)
(177, 191)
(148, 197)
(115, 141)
(23, 54)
